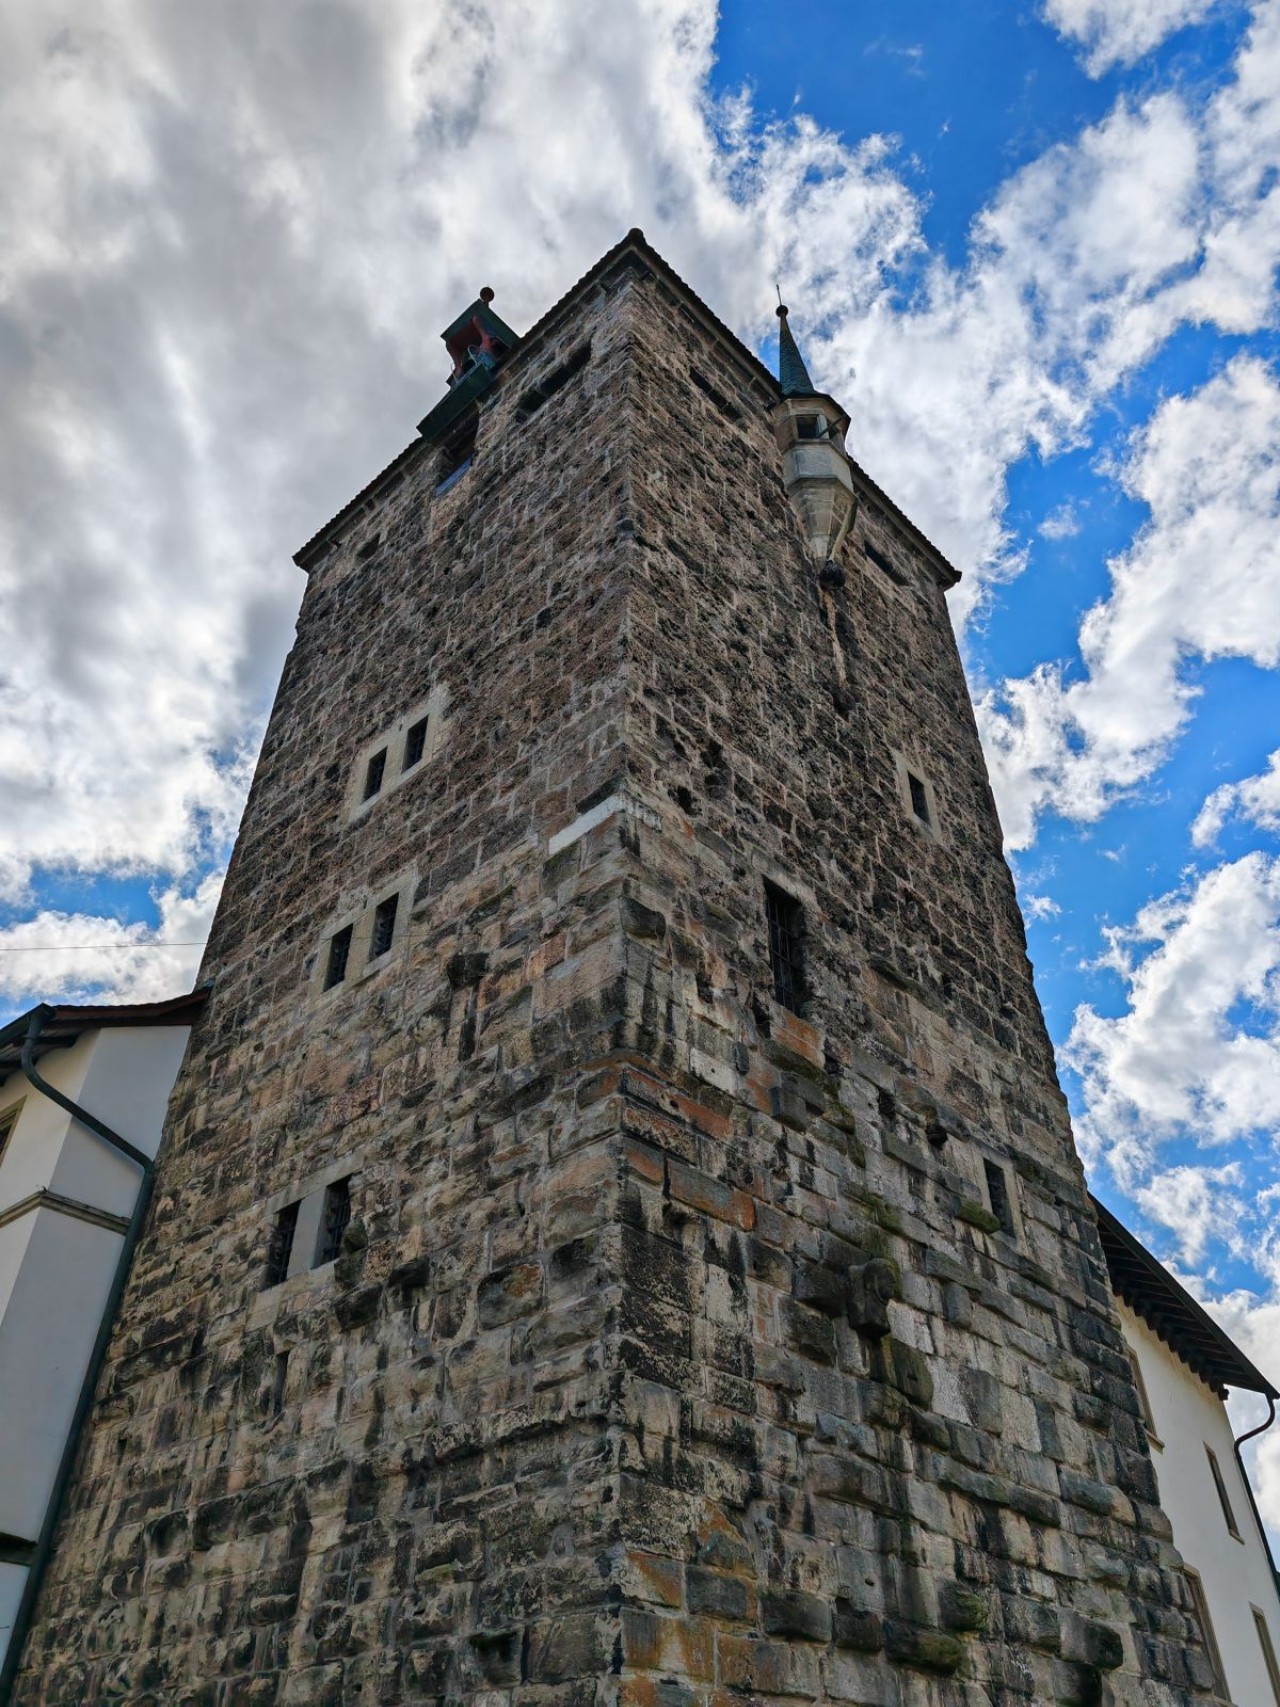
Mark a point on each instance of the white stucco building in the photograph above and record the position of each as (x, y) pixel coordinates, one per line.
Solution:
(1185, 1365)
(69, 1195)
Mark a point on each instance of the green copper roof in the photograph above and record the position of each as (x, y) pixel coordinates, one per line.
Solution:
(793, 375)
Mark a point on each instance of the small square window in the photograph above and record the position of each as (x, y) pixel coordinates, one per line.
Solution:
(919, 798)
(785, 918)
(998, 1196)
(374, 774)
(384, 926)
(334, 1220)
(415, 743)
(280, 1250)
(339, 953)
(808, 426)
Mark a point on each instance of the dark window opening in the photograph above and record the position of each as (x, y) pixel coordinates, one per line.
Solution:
(278, 1382)
(334, 1220)
(1144, 1399)
(882, 562)
(545, 389)
(370, 546)
(384, 926)
(1220, 1690)
(415, 743)
(810, 427)
(14, 1550)
(709, 391)
(456, 457)
(374, 774)
(998, 1196)
(339, 954)
(919, 798)
(8, 1121)
(1223, 1498)
(785, 918)
(1268, 1651)
(280, 1249)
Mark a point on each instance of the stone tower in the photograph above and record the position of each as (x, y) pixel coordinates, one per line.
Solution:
(619, 1237)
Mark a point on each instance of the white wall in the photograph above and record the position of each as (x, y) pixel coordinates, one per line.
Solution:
(12, 1580)
(1236, 1574)
(56, 1268)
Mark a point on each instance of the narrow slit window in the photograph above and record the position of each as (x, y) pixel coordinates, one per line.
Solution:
(534, 398)
(415, 744)
(279, 1382)
(1224, 1499)
(919, 798)
(8, 1120)
(1220, 1690)
(280, 1249)
(1144, 1399)
(998, 1195)
(1268, 1651)
(374, 773)
(334, 1220)
(339, 953)
(785, 917)
(384, 926)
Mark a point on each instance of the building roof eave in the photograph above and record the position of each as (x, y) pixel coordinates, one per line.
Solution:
(64, 1023)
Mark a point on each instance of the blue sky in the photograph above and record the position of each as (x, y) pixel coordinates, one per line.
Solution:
(1032, 248)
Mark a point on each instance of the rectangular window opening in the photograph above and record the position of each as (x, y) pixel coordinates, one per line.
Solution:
(998, 1195)
(809, 426)
(457, 455)
(1223, 1498)
(1220, 1690)
(919, 798)
(374, 774)
(280, 1249)
(1144, 1399)
(384, 926)
(545, 389)
(722, 403)
(785, 917)
(8, 1120)
(881, 561)
(334, 1220)
(415, 743)
(1268, 1651)
(339, 953)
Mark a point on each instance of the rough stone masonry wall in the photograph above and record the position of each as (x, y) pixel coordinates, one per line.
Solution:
(605, 1399)
(828, 1493)
(385, 1479)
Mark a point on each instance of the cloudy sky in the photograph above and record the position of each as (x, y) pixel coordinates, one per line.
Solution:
(1031, 246)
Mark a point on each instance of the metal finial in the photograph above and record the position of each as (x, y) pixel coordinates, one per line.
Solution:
(486, 293)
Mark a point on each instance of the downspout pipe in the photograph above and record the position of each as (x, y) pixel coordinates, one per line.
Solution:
(1248, 1486)
(97, 1357)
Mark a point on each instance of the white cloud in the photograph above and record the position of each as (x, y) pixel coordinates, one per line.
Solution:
(1119, 32)
(59, 956)
(232, 233)
(1039, 906)
(1196, 1053)
(1062, 523)
(1256, 798)
(1201, 580)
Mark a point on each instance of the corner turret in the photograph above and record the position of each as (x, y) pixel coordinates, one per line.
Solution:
(810, 428)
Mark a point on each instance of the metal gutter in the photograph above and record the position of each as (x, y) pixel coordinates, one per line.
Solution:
(1248, 1485)
(97, 1357)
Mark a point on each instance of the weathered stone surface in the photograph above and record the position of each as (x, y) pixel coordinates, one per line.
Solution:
(585, 1419)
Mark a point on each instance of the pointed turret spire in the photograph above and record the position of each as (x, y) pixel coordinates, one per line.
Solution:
(793, 375)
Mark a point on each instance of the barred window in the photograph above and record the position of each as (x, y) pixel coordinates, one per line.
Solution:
(339, 953)
(280, 1248)
(334, 1220)
(785, 918)
(384, 926)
